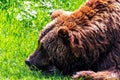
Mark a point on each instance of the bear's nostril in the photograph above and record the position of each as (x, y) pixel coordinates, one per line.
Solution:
(27, 62)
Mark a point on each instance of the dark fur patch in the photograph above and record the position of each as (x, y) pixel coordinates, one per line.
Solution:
(92, 37)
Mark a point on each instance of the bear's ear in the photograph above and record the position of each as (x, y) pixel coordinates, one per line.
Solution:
(55, 14)
(63, 33)
(91, 2)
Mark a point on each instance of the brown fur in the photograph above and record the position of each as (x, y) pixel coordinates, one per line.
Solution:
(86, 39)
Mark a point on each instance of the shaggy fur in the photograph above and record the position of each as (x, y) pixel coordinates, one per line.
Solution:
(86, 40)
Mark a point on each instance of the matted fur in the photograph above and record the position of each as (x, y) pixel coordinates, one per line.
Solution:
(86, 39)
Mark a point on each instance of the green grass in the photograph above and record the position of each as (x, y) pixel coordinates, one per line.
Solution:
(20, 24)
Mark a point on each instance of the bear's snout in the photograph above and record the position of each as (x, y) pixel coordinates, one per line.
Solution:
(27, 61)
(30, 64)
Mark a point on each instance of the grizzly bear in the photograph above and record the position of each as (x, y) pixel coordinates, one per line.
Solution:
(85, 43)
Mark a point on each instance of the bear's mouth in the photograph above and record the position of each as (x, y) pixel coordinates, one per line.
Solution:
(50, 69)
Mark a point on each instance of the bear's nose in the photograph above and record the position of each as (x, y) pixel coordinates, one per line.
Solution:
(27, 61)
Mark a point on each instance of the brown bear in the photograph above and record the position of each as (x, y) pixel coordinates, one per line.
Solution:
(85, 42)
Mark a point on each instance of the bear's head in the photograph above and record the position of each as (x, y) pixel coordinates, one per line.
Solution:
(53, 47)
(63, 43)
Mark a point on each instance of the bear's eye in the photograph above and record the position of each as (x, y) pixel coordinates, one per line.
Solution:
(40, 46)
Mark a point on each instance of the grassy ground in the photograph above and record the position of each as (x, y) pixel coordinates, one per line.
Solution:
(20, 24)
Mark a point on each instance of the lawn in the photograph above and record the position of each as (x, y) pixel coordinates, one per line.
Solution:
(20, 25)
